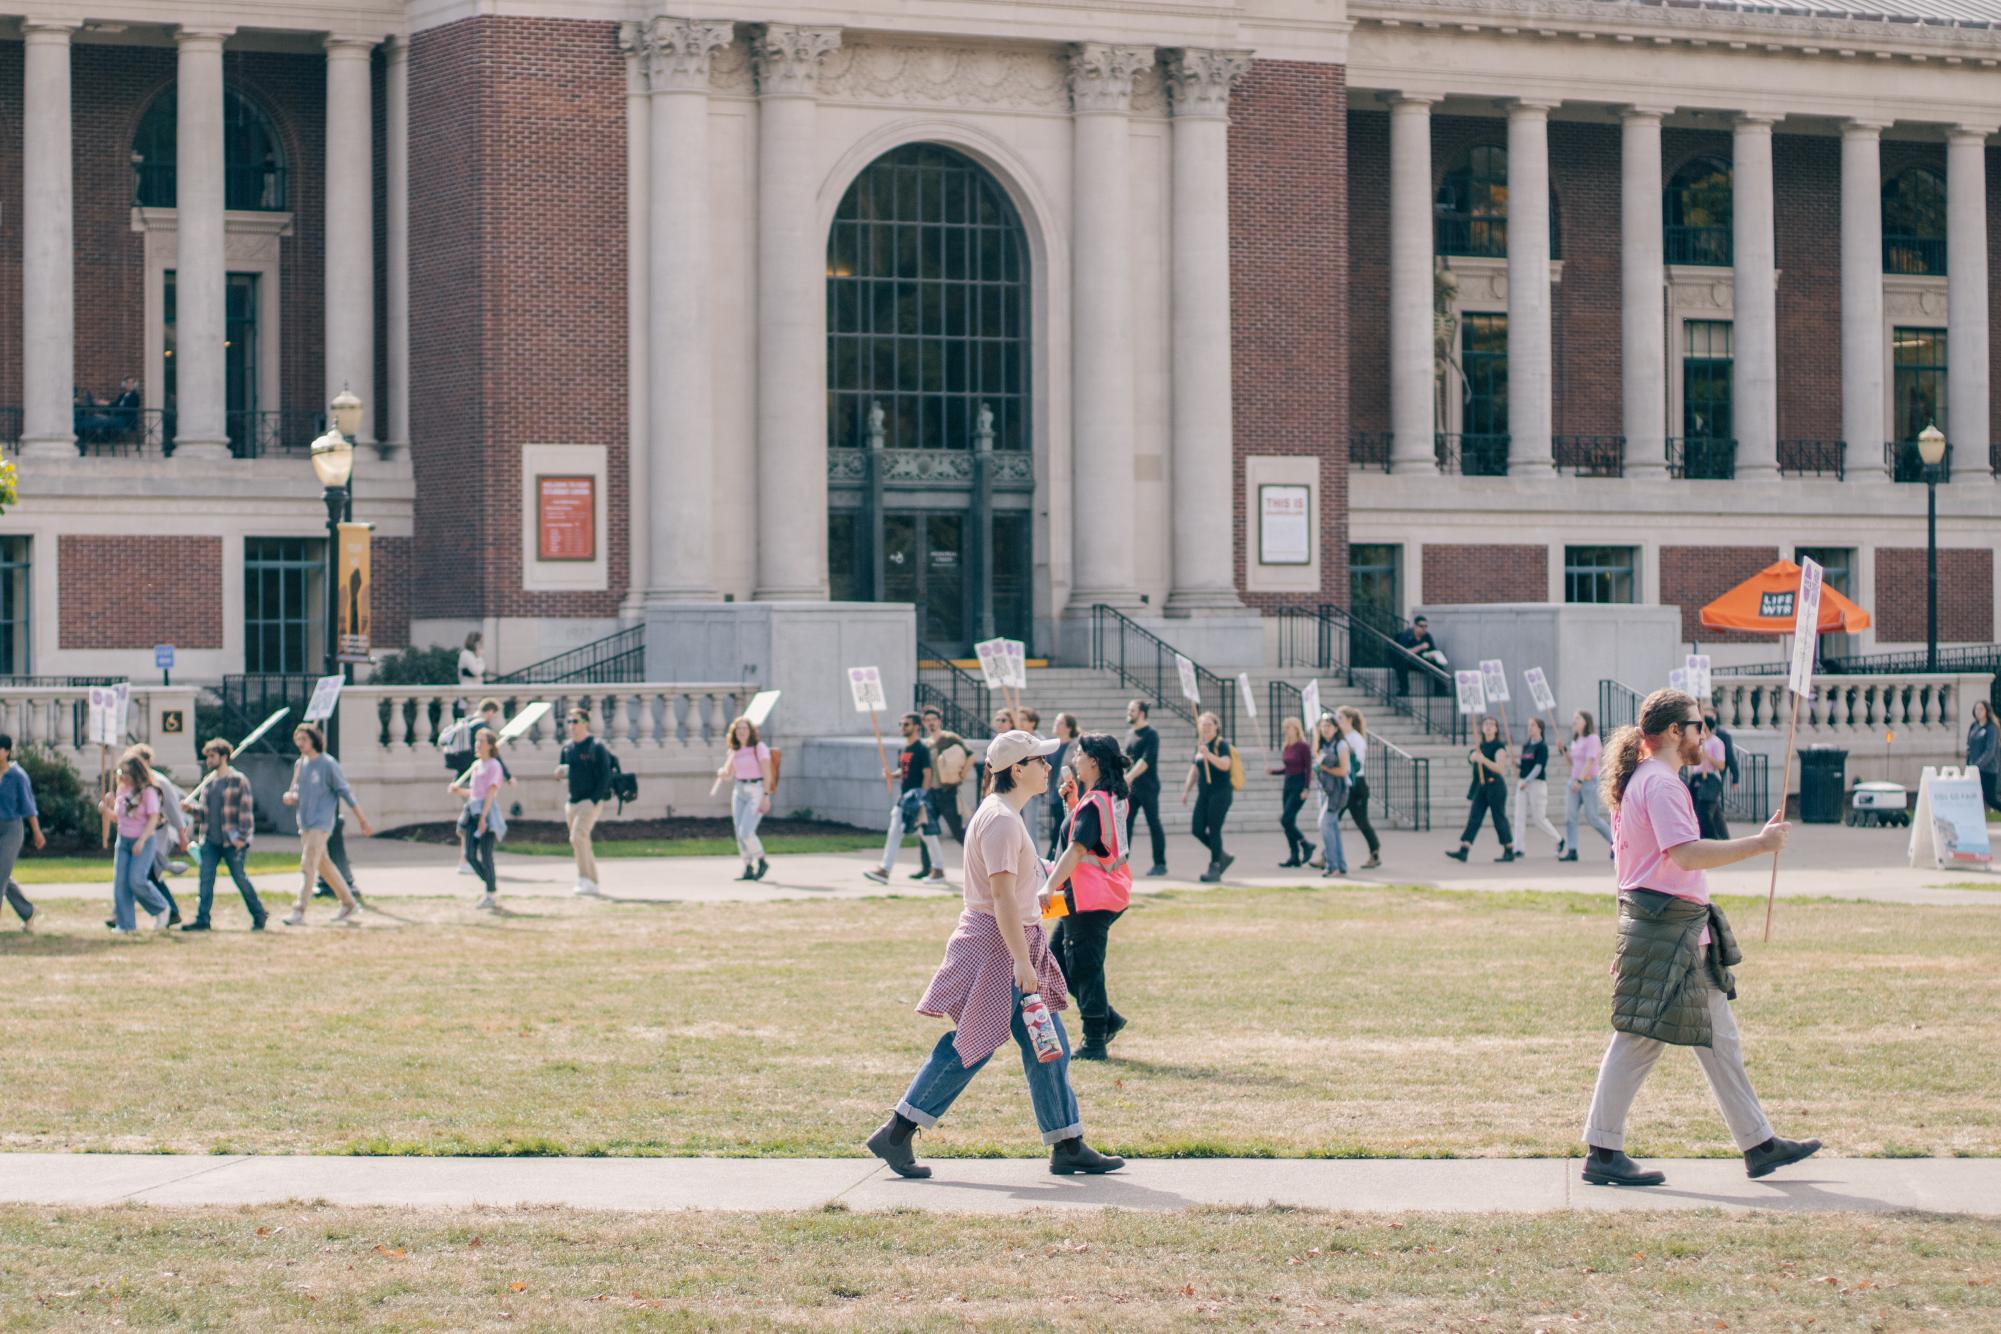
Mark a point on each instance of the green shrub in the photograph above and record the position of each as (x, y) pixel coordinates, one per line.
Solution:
(432, 666)
(68, 805)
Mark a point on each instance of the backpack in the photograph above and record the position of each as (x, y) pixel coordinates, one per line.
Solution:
(456, 742)
(953, 773)
(618, 783)
(1236, 769)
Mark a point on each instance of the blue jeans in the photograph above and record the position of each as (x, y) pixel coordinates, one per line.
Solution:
(1330, 831)
(941, 1081)
(131, 872)
(227, 854)
(913, 810)
(1584, 797)
(745, 798)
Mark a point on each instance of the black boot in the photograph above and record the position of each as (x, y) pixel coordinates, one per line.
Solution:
(1610, 1167)
(1115, 1024)
(1094, 1041)
(891, 1143)
(1074, 1155)
(1773, 1154)
(1305, 852)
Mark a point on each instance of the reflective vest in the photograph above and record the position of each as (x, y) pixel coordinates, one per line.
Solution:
(1103, 884)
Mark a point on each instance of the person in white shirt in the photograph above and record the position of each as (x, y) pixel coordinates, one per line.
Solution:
(472, 667)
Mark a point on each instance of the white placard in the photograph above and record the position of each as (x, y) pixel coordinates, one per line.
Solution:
(1284, 533)
(1494, 680)
(1472, 692)
(103, 703)
(1190, 689)
(326, 693)
(760, 707)
(1678, 679)
(121, 711)
(1697, 665)
(1309, 705)
(1244, 684)
(992, 654)
(865, 684)
(1949, 824)
(1539, 691)
(1806, 627)
(1017, 663)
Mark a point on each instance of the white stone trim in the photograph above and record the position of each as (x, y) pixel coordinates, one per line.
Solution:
(546, 576)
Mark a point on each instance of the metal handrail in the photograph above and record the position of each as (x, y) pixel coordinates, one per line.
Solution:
(1958, 658)
(1907, 253)
(1683, 243)
(1750, 798)
(104, 429)
(1145, 661)
(963, 700)
(1618, 706)
(1370, 449)
(618, 656)
(1282, 701)
(1904, 464)
(1330, 639)
(1471, 455)
(256, 434)
(1589, 455)
(1405, 790)
(1798, 458)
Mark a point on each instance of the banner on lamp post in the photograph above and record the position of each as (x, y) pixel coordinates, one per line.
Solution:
(353, 621)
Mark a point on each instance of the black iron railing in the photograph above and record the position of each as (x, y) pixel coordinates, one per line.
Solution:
(1590, 455)
(1904, 464)
(1750, 797)
(618, 657)
(10, 426)
(1913, 254)
(247, 187)
(1145, 661)
(1957, 658)
(1370, 449)
(257, 435)
(1463, 234)
(1282, 701)
(1328, 639)
(1813, 458)
(961, 698)
(109, 430)
(1471, 455)
(1702, 458)
(249, 699)
(1697, 245)
(1618, 706)
(1399, 784)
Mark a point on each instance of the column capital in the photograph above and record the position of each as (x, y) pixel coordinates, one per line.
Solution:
(1101, 76)
(1637, 111)
(1963, 132)
(348, 46)
(1531, 106)
(1409, 102)
(1863, 127)
(1199, 81)
(1756, 120)
(786, 58)
(396, 50)
(49, 30)
(190, 34)
(678, 50)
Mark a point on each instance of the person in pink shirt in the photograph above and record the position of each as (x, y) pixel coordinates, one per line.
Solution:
(1679, 987)
(482, 821)
(1584, 750)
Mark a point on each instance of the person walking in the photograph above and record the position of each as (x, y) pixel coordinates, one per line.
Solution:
(225, 817)
(482, 823)
(1705, 781)
(1331, 770)
(135, 805)
(1488, 793)
(1584, 750)
(951, 761)
(1983, 753)
(584, 765)
(1671, 978)
(749, 767)
(998, 957)
(1096, 882)
(174, 835)
(1210, 777)
(472, 667)
(19, 818)
(1532, 789)
(1143, 783)
(461, 752)
(1067, 733)
(1355, 733)
(1295, 762)
(318, 789)
(911, 810)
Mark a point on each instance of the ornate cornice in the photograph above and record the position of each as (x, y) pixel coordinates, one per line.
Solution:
(1101, 76)
(1199, 82)
(678, 51)
(879, 70)
(787, 58)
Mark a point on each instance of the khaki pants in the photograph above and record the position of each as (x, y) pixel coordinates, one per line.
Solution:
(583, 817)
(1630, 1058)
(315, 865)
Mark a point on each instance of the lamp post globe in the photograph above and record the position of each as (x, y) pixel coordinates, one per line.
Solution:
(1931, 445)
(333, 459)
(345, 411)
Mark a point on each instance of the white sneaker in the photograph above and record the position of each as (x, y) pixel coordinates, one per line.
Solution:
(587, 889)
(295, 918)
(465, 868)
(160, 920)
(877, 874)
(487, 903)
(347, 914)
(28, 922)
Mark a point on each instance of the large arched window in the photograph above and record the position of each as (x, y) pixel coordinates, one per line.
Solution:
(1696, 211)
(253, 160)
(1914, 222)
(1471, 209)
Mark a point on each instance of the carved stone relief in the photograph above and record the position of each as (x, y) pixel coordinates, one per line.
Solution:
(938, 75)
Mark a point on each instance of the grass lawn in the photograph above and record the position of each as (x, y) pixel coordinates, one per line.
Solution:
(1326, 1021)
(72, 868)
(297, 1266)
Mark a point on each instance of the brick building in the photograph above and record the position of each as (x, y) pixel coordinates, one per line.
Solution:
(1195, 313)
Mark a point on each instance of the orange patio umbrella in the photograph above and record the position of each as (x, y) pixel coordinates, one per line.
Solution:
(1764, 605)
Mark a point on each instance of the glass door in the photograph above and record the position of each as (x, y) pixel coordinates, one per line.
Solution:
(1375, 598)
(924, 563)
(1708, 355)
(1838, 572)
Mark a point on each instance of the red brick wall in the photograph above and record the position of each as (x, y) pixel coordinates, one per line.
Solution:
(1480, 572)
(134, 592)
(517, 292)
(1289, 279)
(1806, 179)
(12, 109)
(1693, 577)
(389, 596)
(1965, 595)
(1584, 170)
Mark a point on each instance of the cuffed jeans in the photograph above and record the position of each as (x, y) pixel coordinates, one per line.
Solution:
(1630, 1058)
(941, 1081)
(131, 878)
(745, 798)
(1330, 832)
(230, 855)
(926, 821)
(1583, 797)
(583, 818)
(1532, 808)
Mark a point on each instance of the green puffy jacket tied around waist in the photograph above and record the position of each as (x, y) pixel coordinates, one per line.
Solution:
(1661, 992)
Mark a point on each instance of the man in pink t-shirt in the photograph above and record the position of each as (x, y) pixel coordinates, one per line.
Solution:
(1660, 850)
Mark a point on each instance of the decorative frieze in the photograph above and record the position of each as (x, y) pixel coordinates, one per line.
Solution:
(1101, 76)
(1200, 81)
(927, 74)
(787, 58)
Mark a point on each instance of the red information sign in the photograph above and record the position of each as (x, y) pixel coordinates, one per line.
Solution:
(566, 518)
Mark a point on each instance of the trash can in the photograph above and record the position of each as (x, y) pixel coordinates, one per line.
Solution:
(1823, 778)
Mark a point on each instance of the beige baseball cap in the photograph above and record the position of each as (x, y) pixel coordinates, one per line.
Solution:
(1011, 748)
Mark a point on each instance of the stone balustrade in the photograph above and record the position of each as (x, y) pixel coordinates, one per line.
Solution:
(58, 718)
(1891, 725)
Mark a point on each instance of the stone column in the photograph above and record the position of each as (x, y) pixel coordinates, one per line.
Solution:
(1755, 335)
(1643, 279)
(791, 316)
(638, 287)
(396, 236)
(350, 229)
(1413, 447)
(48, 270)
(1966, 425)
(1102, 384)
(681, 423)
(1862, 407)
(1529, 363)
(1202, 443)
(200, 268)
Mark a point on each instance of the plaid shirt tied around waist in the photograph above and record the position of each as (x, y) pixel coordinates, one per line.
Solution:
(974, 986)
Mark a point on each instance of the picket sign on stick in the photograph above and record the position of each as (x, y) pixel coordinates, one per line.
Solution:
(1494, 685)
(514, 727)
(256, 733)
(1806, 629)
(865, 684)
(1309, 706)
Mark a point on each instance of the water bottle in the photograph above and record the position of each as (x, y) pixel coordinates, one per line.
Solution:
(1041, 1027)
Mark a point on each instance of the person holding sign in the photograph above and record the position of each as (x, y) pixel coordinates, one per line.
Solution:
(226, 817)
(482, 824)
(1334, 773)
(318, 788)
(1355, 736)
(1672, 982)
(748, 763)
(135, 805)
(1295, 762)
(1213, 772)
(913, 807)
(1489, 790)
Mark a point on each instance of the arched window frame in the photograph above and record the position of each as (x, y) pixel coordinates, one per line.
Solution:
(1696, 215)
(1914, 222)
(254, 158)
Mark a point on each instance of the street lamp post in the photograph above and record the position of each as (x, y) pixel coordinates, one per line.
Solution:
(1931, 452)
(333, 463)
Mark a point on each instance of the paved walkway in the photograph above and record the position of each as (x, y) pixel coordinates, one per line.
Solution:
(1870, 1185)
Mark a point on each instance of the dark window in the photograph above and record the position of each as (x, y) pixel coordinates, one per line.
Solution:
(1914, 222)
(1706, 361)
(15, 581)
(1483, 355)
(1375, 599)
(253, 162)
(1918, 358)
(1697, 213)
(1014, 562)
(849, 575)
(1471, 209)
(1599, 574)
(1838, 572)
(282, 609)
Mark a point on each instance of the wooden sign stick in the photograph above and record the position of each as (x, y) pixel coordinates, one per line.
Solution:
(888, 783)
(1785, 781)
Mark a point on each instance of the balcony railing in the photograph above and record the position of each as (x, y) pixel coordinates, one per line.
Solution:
(258, 435)
(1370, 449)
(246, 187)
(1472, 455)
(1458, 234)
(126, 431)
(1920, 255)
(1904, 464)
(1702, 458)
(1813, 458)
(1590, 455)
(1697, 245)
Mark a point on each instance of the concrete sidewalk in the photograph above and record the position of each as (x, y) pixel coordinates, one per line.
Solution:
(1869, 1185)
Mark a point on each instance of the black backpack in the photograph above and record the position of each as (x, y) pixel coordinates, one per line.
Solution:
(618, 783)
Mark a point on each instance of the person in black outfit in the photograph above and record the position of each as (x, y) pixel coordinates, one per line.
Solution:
(912, 809)
(1067, 732)
(1143, 779)
(1489, 793)
(1080, 938)
(1210, 775)
(1414, 640)
(1355, 731)
(1295, 762)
